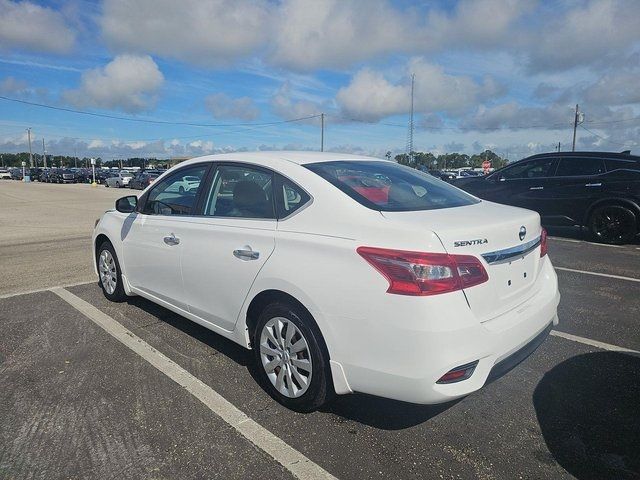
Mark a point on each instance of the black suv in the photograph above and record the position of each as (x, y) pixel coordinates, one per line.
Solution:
(599, 191)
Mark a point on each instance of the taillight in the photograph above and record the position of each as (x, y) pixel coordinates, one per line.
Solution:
(543, 242)
(418, 273)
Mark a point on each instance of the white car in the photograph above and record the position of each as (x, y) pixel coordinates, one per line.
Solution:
(187, 183)
(5, 174)
(342, 273)
(120, 180)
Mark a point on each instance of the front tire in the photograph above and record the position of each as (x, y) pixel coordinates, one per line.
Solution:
(292, 364)
(109, 273)
(612, 224)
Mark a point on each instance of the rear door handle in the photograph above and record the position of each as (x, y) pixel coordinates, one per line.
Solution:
(593, 185)
(536, 188)
(171, 240)
(245, 253)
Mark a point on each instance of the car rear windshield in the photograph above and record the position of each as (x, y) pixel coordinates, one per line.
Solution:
(386, 186)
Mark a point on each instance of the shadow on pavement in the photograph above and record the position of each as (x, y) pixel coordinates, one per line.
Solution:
(588, 408)
(383, 413)
(228, 348)
(373, 411)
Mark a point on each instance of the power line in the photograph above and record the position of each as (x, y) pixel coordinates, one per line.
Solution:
(161, 122)
(604, 138)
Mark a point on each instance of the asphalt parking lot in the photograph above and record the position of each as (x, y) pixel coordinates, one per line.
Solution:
(92, 389)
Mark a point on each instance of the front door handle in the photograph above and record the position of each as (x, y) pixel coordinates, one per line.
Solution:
(593, 185)
(245, 253)
(171, 240)
(536, 188)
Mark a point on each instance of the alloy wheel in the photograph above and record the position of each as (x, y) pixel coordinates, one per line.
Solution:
(108, 271)
(613, 224)
(286, 357)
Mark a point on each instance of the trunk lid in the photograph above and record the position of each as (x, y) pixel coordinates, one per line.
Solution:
(492, 233)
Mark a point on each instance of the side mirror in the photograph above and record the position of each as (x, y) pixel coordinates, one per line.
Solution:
(127, 204)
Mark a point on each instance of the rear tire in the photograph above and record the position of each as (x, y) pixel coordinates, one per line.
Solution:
(291, 364)
(612, 224)
(181, 189)
(109, 273)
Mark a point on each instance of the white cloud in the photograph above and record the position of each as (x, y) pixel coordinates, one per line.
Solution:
(207, 33)
(371, 96)
(12, 86)
(285, 104)
(128, 82)
(223, 106)
(27, 26)
(312, 34)
(592, 32)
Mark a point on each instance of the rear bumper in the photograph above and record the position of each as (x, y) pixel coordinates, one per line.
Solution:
(414, 360)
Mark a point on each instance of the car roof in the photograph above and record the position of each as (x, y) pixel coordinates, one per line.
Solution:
(275, 158)
(620, 155)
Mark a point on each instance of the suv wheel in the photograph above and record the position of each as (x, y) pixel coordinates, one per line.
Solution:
(613, 224)
(109, 273)
(291, 363)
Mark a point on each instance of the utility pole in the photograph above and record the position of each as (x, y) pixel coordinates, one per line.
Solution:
(410, 132)
(575, 127)
(44, 154)
(322, 132)
(558, 146)
(30, 154)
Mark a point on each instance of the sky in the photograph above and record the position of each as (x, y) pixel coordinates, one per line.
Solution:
(162, 78)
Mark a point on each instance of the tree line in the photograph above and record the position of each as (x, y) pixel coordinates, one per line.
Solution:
(429, 161)
(421, 160)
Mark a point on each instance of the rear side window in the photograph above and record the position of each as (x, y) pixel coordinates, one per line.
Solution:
(386, 186)
(616, 164)
(580, 167)
(241, 192)
(289, 197)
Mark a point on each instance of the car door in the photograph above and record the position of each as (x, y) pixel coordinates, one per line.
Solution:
(153, 237)
(524, 184)
(225, 247)
(578, 182)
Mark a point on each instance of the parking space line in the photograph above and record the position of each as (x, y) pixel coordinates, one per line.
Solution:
(607, 275)
(291, 459)
(28, 292)
(564, 239)
(593, 343)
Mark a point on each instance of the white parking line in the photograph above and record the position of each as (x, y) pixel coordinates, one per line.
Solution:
(28, 292)
(593, 343)
(294, 461)
(564, 239)
(571, 240)
(597, 274)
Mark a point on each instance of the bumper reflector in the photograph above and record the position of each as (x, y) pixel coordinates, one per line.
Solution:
(458, 374)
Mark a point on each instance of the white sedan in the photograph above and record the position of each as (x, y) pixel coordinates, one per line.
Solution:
(342, 273)
(120, 180)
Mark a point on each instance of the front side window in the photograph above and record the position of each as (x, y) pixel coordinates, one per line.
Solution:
(240, 192)
(176, 194)
(387, 186)
(540, 168)
(580, 167)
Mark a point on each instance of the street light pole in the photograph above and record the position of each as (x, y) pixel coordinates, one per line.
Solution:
(93, 168)
(30, 153)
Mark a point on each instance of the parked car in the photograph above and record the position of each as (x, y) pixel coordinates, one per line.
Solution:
(119, 180)
(342, 273)
(34, 174)
(44, 175)
(103, 174)
(598, 191)
(5, 174)
(143, 179)
(16, 174)
(446, 176)
(187, 183)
